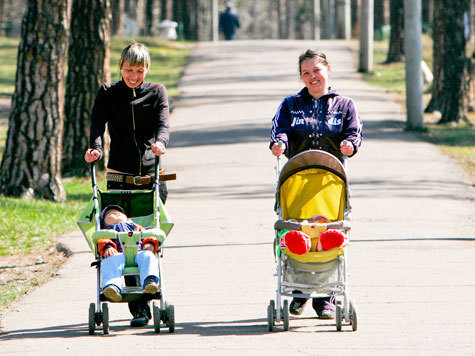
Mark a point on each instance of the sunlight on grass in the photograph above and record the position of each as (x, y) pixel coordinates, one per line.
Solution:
(29, 225)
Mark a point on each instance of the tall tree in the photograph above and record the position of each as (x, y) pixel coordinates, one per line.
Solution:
(150, 23)
(450, 88)
(396, 38)
(117, 8)
(379, 17)
(88, 65)
(185, 12)
(31, 163)
(281, 28)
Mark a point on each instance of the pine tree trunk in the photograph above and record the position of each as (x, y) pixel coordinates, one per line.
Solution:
(31, 161)
(396, 40)
(117, 25)
(88, 65)
(454, 78)
(379, 18)
(150, 24)
(437, 64)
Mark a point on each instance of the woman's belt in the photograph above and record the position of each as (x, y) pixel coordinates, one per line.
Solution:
(125, 178)
(138, 180)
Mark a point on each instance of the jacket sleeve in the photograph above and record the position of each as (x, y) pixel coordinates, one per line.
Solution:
(281, 125)
(151, 240)
(353, 130)
(98, 122)
(162, 113)
(105, 243)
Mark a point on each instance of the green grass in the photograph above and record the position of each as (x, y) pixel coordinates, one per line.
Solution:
(27, 226)
(8, 60)
(457, 141)
(10, 292)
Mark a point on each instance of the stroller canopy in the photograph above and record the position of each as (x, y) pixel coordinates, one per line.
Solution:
(310, 183)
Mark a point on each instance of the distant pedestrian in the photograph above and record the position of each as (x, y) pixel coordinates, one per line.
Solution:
(229, 23)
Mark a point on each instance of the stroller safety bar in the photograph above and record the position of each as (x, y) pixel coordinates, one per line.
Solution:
(321, 227)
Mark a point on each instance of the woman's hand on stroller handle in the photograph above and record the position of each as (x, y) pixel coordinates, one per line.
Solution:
(346, 148)
(158, 148)
(278, 148)
(92, 155)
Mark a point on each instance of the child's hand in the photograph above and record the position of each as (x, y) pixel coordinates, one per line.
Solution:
(319, 219)
(110, 251)
(148, 246)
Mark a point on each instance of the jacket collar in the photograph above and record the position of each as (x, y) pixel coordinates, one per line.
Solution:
(307, 97)
(138, 89)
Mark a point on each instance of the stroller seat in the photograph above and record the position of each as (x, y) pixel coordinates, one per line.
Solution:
(130, 241)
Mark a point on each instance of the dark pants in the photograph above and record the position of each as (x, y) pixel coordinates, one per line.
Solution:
(318, 303)
(140, 307)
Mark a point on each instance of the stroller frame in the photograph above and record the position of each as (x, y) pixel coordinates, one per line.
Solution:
(89, 223)
(331, 262)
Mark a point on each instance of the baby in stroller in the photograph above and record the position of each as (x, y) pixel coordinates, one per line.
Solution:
(113, 217)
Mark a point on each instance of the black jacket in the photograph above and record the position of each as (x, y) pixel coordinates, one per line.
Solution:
(136, 118)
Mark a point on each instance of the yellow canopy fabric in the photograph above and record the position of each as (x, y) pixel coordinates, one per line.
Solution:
(316, 257)
(310, 192)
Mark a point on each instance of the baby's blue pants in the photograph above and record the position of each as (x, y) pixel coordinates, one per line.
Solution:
(113, 266)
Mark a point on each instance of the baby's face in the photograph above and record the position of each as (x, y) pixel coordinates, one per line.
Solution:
(114, 217)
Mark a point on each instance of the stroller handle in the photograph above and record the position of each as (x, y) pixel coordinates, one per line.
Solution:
(290, 225)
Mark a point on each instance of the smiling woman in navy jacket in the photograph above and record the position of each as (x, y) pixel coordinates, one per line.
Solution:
(316, 118)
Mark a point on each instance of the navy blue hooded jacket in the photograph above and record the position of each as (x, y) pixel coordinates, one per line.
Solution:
(303, 123)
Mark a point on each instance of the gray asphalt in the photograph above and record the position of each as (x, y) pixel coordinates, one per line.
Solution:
(410, 260)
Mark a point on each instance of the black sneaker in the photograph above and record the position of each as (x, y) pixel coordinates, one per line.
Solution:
(138, 321)
(149, 285)
(141, 312)
(297, 306)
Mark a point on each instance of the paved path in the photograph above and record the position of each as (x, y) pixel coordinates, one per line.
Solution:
(411, 259)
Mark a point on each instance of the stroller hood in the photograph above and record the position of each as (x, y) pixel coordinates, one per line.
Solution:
(310, 183)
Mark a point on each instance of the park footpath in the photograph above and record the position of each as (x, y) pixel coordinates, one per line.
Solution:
(411, 259)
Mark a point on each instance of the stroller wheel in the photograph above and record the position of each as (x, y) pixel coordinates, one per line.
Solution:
(286, 315)
(92, 318)
(156, 318)
(338, 317)
(105, 318)
(163, 314)
(353, 317)
(171, 318)
(270, 315)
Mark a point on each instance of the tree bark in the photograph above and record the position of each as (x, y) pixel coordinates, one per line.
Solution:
(31, 163)
(450, 88)
(149, 25)
(379, 18)
(396, 39)
(117, 7)
(88, 65)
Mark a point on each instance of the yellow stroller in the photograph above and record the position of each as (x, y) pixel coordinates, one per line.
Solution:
(312, 183)
(145, 208)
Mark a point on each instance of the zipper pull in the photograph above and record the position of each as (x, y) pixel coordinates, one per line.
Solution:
(133, 92)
